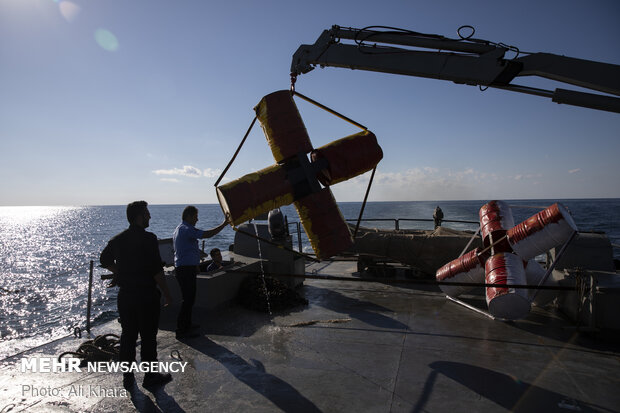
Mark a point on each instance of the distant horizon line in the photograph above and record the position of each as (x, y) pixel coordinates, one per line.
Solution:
(340, 202)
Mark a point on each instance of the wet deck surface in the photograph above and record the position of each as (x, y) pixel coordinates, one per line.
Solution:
(356, 347)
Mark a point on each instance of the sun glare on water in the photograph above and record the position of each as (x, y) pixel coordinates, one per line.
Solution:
(28, 214)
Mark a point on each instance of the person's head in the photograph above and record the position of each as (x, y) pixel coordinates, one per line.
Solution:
(190, 214)
(138, 214)
(216, 255)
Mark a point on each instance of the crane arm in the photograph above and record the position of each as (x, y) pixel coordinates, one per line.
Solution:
(465, 61)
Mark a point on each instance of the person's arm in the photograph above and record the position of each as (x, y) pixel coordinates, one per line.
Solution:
(107, 261)
(107, 258)
(214, 231)
(163, 287)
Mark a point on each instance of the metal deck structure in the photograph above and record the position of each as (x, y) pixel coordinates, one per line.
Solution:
(356, 347)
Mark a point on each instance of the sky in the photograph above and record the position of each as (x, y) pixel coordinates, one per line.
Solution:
(103, 102)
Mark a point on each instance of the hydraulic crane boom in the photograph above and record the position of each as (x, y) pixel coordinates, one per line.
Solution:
(465, 60)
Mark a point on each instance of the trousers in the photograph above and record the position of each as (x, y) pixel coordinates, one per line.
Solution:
(138, 309)
(186, 277)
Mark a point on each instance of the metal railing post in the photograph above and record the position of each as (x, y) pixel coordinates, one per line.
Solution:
(90, 294)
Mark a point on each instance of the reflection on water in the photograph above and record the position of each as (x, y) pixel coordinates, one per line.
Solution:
(42, 259)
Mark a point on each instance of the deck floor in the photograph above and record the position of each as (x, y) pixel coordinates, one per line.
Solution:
(357, 347)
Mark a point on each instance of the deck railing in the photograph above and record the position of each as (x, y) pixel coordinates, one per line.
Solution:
(398, 220)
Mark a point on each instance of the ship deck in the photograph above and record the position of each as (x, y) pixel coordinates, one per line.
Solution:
(370, 347)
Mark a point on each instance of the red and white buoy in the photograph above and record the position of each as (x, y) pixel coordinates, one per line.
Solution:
(468, 268)
(549, 228)
(503, 270)
(495, 219)
(514, 249)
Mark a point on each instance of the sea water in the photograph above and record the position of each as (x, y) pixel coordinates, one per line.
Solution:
(45, 253)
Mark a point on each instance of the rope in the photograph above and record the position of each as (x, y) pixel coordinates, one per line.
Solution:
(375, 49)
(7, 408)
(333, 112)
(359, 219)
(582, 290)
(470, 241)
(487, 249)
(465, 26)
(236, 153)
(101, 348)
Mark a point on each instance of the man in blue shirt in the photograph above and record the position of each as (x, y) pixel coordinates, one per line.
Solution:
(186, 261)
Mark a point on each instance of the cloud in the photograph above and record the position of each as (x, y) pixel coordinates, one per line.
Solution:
(187, 170)
(212, 173)
(421, 183)
(572, 171)
(519, 177)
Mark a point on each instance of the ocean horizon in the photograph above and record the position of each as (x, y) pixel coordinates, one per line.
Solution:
(339, 202)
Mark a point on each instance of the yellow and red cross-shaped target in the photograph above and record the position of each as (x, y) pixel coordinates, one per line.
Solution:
(300, 180)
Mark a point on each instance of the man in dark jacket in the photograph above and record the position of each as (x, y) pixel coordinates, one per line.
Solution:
(437, 216)
(133, 257)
